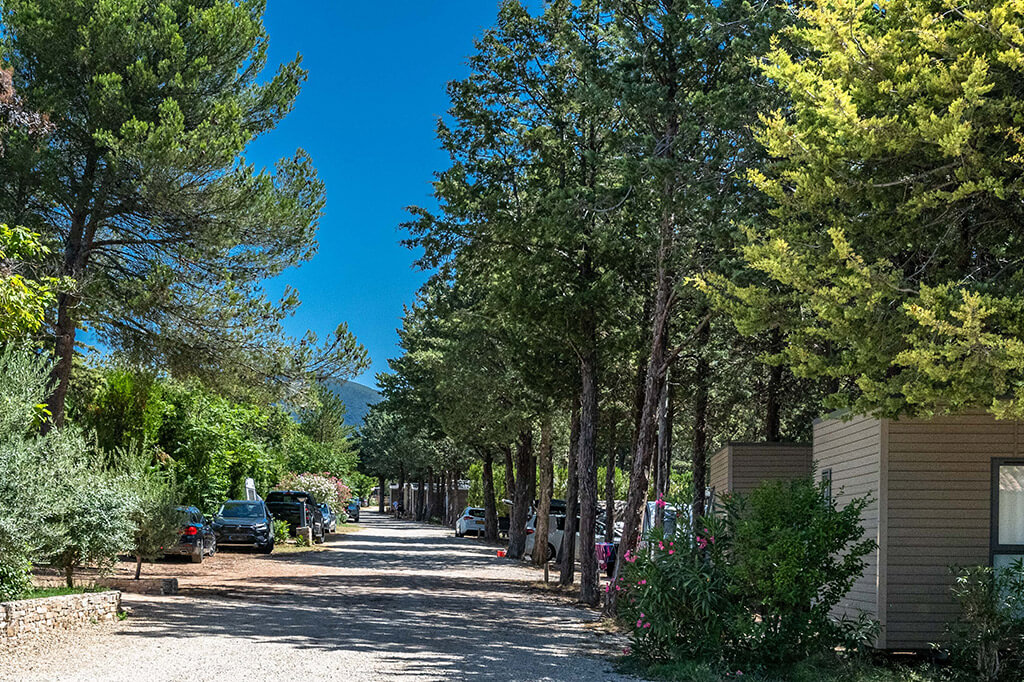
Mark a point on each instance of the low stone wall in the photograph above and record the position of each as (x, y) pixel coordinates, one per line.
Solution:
(26, 616)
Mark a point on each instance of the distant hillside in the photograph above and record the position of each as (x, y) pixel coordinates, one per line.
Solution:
(357, 399)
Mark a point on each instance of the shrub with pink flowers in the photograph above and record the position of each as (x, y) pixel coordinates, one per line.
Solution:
(751, 586)
(324, 487)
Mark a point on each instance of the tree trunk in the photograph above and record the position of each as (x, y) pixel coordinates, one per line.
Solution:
(69, 575)
(439, 496)
(421, 499)
(772, 418)
(381, 482)
(64, 349)
(490, 506)
(586, 466)
(547, 475)
(646, 441)
(700, 424)
(663, 468)
(567, 552)
(401, 487)
(521, 502)
(609, 485)
(510, 469)
(449, 498)
(138, 566)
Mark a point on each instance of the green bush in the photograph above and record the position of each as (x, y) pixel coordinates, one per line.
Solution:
(792, 556)
(15, 575)
(152, 510)
(988, 638)
(87, 522)
(281, 530)
(754, 586)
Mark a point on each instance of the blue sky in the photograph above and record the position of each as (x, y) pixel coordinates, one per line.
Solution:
(367, 114)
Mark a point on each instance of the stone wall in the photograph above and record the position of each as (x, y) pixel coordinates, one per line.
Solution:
(26, 616)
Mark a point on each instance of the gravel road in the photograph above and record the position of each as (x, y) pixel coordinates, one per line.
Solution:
(393, 601)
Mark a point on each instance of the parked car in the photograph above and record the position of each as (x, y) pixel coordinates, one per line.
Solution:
(472, 520)
(556, 529)
(330, 518)
(353, 509)
(245, 522)
(197, 539)
(298, 509)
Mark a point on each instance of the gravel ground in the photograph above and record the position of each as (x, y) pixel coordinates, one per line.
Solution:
(393, 601)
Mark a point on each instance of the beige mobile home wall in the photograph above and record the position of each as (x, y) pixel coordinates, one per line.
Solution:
(853, 451)
(939, 515)
(718, 471)
(741, 467)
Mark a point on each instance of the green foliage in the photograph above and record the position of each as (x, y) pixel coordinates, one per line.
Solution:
(152, 105)
(987, 640)
(87, 522)
(215, 444)
(677, 597)
(125, 411)
(15, 574)
(24, 298)
(152, 500)
(825, 668)
(792, 557)
(753, 587)
(281, 531)
(361, 484)
(36, 468)
(890, 263)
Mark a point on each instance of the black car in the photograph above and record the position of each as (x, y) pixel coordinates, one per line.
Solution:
(299, 509)
(197, 537)
(245, 522)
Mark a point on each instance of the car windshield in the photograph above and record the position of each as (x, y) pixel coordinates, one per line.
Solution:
(242, 510)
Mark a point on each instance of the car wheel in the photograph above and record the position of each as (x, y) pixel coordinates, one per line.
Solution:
(213, 547)
(457, 533)
(267, 548)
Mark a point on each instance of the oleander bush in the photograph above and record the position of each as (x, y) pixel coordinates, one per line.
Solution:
(752, 586)
(324, 487)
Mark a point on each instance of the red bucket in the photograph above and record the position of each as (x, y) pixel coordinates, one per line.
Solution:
(501, 553)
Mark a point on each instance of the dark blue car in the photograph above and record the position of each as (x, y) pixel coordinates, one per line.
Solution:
(197, 539)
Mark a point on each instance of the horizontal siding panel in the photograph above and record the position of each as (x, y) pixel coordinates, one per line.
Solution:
(939, 512)
(852, 450)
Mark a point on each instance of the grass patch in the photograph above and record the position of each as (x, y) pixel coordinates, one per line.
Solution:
(347, 528)
(42, 592)
(297, 549)
(807, 671)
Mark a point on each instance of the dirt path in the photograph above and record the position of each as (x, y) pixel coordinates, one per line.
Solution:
(394, 601)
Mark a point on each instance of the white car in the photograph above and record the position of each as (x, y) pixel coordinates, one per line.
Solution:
(556, 529)
(470, 521)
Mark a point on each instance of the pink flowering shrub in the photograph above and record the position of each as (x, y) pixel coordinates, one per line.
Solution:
(324, 487)
(751, 586)
(675, 592)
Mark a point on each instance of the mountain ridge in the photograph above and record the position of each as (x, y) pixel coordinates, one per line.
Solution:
(358, 399)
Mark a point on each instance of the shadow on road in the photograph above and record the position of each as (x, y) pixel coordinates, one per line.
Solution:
(435, 605)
